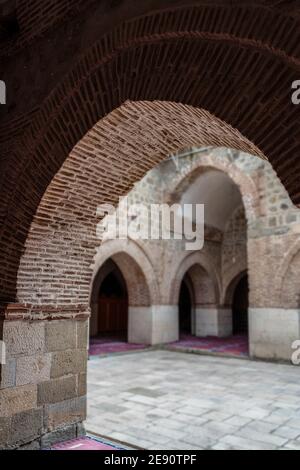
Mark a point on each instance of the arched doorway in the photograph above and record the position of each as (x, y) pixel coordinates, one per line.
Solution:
(185, 308)
(240, 304)
(121, 296)
(113, 306)
(109, 304)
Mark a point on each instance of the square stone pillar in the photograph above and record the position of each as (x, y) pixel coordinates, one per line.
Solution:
(213, 321)
(272, 332)
(43, 383)
(156, 324)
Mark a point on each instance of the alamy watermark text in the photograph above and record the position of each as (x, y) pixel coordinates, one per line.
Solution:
(296, 92)
(152, 222)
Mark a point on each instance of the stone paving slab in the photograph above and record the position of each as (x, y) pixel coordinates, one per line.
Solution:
(164, 400)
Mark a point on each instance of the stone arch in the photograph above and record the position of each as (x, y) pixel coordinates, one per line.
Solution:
(123, 146)
(101, 81)
(140, 280)
(135, 266)
(109, 268)
(216, 62)
(199, 268)
(212, 160)
(249, 206)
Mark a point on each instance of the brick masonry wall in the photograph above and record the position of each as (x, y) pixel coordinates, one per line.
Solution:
(54, 252)
(290, 292)
(227, 254)
(91, 74)
(234, 248)
(62, 239)
(93, 62)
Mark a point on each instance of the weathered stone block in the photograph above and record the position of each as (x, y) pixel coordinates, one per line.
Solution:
(60, 335)
(57, 390)
(17, 399)
(33, 369)
(68, 362)
(8, 374)
(82, 334)
(5, 424)
(80, 430)
(82, 379)
(35, 445)
(272, 332)
(26, 426)
(65, 412)
(24, 337)
(60, 435)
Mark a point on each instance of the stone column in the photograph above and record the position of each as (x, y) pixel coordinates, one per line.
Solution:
(273, 327)
(43, 383)
(156, 324)
(213, 321)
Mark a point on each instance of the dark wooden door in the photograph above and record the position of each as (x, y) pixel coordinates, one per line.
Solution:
(112, 315)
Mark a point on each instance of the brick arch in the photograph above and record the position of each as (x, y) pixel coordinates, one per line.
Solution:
(103, 166)
(130, 63)
(211, 160)
(202, 274)
(135, 267)
(37, 17)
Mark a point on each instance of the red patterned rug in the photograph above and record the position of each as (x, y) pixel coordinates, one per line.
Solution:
(111, 345)
(86, 443)
(234, 345)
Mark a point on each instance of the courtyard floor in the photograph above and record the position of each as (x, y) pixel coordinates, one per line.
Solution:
(171, 400)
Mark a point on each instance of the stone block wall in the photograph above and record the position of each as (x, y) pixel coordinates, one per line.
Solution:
(43, 383)
(257, 239)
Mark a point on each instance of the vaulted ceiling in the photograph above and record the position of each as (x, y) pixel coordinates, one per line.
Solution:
(69, 63)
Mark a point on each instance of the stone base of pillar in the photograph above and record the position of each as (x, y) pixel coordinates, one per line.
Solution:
(272, 331)
(140, 325)
(43, 382)
(213, 321)
(157, 324)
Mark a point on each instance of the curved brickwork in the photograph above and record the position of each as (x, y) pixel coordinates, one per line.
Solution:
(228, 66)
(38, 16)
(135, 266)
(129, 62)
(202, 272)
(135, 136)
(219, 159)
